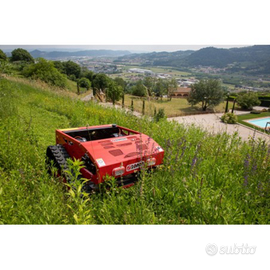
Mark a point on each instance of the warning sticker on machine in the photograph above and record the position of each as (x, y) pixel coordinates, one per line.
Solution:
(134, 166)
(100, 162)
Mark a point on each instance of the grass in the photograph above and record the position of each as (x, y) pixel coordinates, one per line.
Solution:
(175, 107)
(249, 116)
(205, 178)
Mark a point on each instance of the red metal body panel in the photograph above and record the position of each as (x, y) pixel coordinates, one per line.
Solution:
(131, 150)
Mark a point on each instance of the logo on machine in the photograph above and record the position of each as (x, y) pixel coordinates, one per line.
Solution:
(134, 166)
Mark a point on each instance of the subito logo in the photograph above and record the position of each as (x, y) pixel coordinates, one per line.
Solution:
(211, 249)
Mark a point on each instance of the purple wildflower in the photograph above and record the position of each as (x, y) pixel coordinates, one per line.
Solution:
(194, 160)
(246, 180)
(246, 162)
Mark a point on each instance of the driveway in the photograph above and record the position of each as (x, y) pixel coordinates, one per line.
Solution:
(212, 123)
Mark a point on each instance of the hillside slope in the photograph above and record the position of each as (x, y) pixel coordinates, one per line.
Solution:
(205, 178)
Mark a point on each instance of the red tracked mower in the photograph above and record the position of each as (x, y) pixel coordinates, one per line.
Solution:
(105, 150)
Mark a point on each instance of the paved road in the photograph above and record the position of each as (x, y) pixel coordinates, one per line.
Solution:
(213, 124)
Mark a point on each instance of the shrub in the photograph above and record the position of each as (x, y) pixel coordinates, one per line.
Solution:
(3, 56)
(229, 118)
(159, 115)
(72, 68)
(247, 100)
(84, 82)
(45, 71)
(139, 90)
(21, 55)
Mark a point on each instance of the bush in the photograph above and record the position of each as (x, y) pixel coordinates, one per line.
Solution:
(21, 55)
(247, 100)
(45, 71)
(159, 115)
(3, 56)
(139, 90)
(84, 82)
(229, 118)
(72, 68)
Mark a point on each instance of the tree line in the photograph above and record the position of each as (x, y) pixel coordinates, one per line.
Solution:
(207, 92)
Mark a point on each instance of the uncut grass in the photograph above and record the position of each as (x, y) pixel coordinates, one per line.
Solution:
(205, 179)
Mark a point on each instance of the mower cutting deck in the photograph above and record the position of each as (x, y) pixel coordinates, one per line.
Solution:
(107, 150)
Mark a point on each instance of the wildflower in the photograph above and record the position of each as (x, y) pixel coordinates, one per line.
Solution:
(246, 180)
(260, 187)
(194, 160)
(246, 162)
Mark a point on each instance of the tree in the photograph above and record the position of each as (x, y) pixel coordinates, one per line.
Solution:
(84, 82)
(88, 74)
(247, 100)
(114, 92)
(45, 71)
(60, 66)
(3, 56)
(139, 89)
(171, 86)
(3, 60)
(208, 92)
(71, 68)
(149, 84)
(100, 83)
(21, 55)
(160, 88)
(121, 82)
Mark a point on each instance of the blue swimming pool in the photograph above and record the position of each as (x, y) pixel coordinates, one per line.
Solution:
(261, 122)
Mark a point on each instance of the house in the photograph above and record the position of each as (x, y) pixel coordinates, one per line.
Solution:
(181, 92)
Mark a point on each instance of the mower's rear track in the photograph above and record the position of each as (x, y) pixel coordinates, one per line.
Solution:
(58, 155)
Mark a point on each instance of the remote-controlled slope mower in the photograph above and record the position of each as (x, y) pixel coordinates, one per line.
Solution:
(105, 150)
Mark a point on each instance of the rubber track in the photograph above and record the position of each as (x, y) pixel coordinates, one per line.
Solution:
(59, 155)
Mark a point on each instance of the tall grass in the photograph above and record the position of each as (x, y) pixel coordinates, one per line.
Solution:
(205, 178)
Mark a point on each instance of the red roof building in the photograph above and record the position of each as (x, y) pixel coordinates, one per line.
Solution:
(181, 92)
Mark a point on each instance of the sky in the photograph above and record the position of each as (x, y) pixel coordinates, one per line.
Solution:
(131, 48)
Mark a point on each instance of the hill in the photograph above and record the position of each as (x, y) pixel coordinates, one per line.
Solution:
(89, 53)
(250, 60)
(157, 58)
(205, 178)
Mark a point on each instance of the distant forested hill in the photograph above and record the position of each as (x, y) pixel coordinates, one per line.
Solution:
(158, 58)
(93, 53)
(251, 60)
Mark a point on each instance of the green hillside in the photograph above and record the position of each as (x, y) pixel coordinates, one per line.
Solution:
(205, 179)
